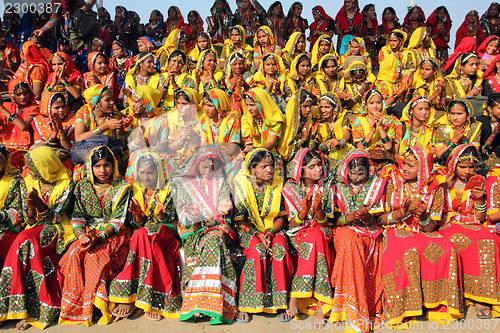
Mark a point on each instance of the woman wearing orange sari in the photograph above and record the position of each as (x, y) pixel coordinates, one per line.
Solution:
(263, 44)
(464, 212)
(35, 68)
(65, 78)
(100, 73)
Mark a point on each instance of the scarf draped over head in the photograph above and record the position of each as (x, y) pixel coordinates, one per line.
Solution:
(180, 18)
(292, 42)
(92, 57)
(294, 74)
(267, 107)
(432, 19)
(467, 44)
(454, 158)
(89, 166)
(457, 70)
(45, 164)
(297, 164)
(481, 50)
(246, 194)
(406, 20)
(171, 43)
(93, 93)
(196, 52)
(343, 174)
(148, 42)
(16, 84)
(315, 49)
(343, 21)
(269, 34)
(357, 65)
(150, 98)
(34, 56)
(492, 67)
(260, 75)
(407, 117)
(387, 47)
(229, 43)
(445, 120)
(190, 167)
(46, 103)
(220, 100)
(72, 72)
(417, 38)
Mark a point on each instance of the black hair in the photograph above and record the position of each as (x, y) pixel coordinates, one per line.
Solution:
(372, 92)
(143, 55)
(177, 53)
(57, 96)
(301, 59)
(432, 62)
(366, 8)
(182, 94)
(397, 34)
(493, 100)
(458, 102)
(390, 9)
(4, 151)
(307, 159)
(267, 56)
(470, 151)
(103, 153)
(358, 162)
(274, 5)
(203, 34)
(147, 160)
(324, 63)
(466, 57)
(259, 156)
(304, 94)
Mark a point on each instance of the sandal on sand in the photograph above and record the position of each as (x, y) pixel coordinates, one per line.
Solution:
(484, 316)
(123, 315)
(282, 318)
(244, 321)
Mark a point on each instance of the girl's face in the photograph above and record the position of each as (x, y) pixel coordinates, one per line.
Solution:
(355, 48)
(470, 68)
(301, 44)
(427, 71)
(357, 175)
(326, 108)
(472, 17)
(103, 170)
(297, 11)
(57, 64)
(316, 15)
(202, 43)
(245, 4)
(137, 106)
(313, 171)
(175, 64)
(106, 103)
(22, 97)
(409, 168)
(371, 12)
(142, 46)
(441, 14)
(359, 77)
(304, 67)
(494, 111)
(172, 13)
(395, 43)
(415, 14)
(117, 50)
(182, 43)
(305, 109)
(492, 47)
(210, 110)
(59, 107)
(330, 69)
(324, 47)
(263, 38)
(209, 62)
(252, 107)
(388, 15)
(235, 36)
(219, 6)
(349, 4)
(118, 13)
(458, 116)
(237, 66)
(206, 167)
(192, 18)
(148, 175)
(277, 10)
(148, 65)
(183, 106)
(270, 66)
(264, 170)
(421, 111)
(100, 65)
(97, 46)
(374, 104)
(465, 170)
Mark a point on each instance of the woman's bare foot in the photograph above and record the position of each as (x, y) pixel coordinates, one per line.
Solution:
(22, 325)
(123, 310)
(483, 311)
(199, 315)
(318, 319)
(153, 316)
(284, 316)
(243, 317)
(292, 307)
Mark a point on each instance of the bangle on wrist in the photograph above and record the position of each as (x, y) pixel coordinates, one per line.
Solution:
(298, 220)
(65, 83)
(425, 222)
(364, 143)
(386, 139)
(321, 221)
(451, 144)
(480, 208)
(45, 213)
(63, 138)
(12, 117)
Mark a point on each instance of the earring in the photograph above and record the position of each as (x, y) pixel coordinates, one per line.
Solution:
(253, 177)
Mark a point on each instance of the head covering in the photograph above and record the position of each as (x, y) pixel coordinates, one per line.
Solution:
(315, 49)
(407, 117)
(180, 18)
(220, 100)
(17, 83)
(432, 19)
(92, 94)
(43, 161)
(456, 72)
(267, 107)
(362, 48)
(294, 74)
(417, 38)
(297, 164)
(33, 55)
(154, 159)
(292, 42)
(343, 174)
(454, 158)
(254, 5)
(136, 68)
(406, 21)
(92, 57)
(463, 26)
(46, 103)
(150, 98)
(246, 195)
(271, 9)
(148, 42)
(425, 165)
(227, 8)
(481, 50)
(387, 46)
(229, 43)
(72, 72)
(491, 67)
(445, 120)
(320, 74)
(190, 168)
(125, 15)
(259, 76)
(195, 53)
(89, 166)
(268, 32)
(467, 44)
(171, 43)
(323, 13)
(199, 19)
(357, 65)
(203, 55)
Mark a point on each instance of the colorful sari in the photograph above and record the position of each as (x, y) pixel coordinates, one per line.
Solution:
(30, 277)
(42, 122)
(438, 39)
(477, 247)
(363, 53)
(87, 274)
(219, 33)
(454, 89)
(209, 278)
(426, 89)
(266, 276)
(347, 85)
(293, 83)
(194, 55)
(326, 25)
(290, 50)
(416, 57)
(316, 55)
(36, 69)
(151, 276)
(218, 74)
(421, 269)
(406, 137)
(311, 281)
(259, 78)
(357, 272)
(109, 78)
(229, 48)
(400, 54)
(258, 52)
(323, 84)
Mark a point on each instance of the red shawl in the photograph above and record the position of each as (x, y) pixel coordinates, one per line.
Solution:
(481, 50)
(467, 44)
(342, 21)
(463, 32)
(72, 73)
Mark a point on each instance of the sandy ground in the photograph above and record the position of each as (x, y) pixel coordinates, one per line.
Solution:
(259, 323)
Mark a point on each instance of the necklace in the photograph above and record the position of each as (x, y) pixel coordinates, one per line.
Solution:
(144, 79)
(258, 121)
(350, 16)
(304, 189)
(215, 129)
(257, 188)
(467, 80)
(459, 185)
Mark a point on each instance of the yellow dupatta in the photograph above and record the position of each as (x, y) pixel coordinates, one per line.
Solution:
(194, 54)
(320, 76)
(289, 50)
(246, 195)
(388, 75)
(230, 45)
(150, 98)
(363, 53)
(354, 66)
(49, 167)
(154, 80)
(259, 78)
(386, 49)
(444, 120)
(223, 107)
(419, 85)
(454, 77)
(428, 126)
(294, 75)
(218, 74)
(416, 40)
(315, 50)
(171, 43)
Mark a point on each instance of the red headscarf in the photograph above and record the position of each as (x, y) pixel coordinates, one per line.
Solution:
(467, 44)
(491, 67)
(365, 26)
(71, 72)
(91, 58)
(180, 19)
(481, 50)
(198, 19)
(342, 17)
(432, 19)
(463, 31)
(33, 55)
(407, 17)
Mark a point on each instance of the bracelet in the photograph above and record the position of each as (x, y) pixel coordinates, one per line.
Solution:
(297, 220)
(342, 143)
(386, 139)
(272, 231)
(65, 83)
(45, 213)
(63, 138)
(395, 96)
(3, 216)
(486, 146)
(480, 208)
(343, 220)
(97, 130)
(254, 231)
(364, 143)
(12, 117)
(425, 222)
(163, 221)
(48, 88)
(164, 86)
(137, 223)
(53, 140)
(79, 232)
(451, 144)
(32, 217)
(408, 95)
(280, 223)
(103, 235)
(322, 221)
